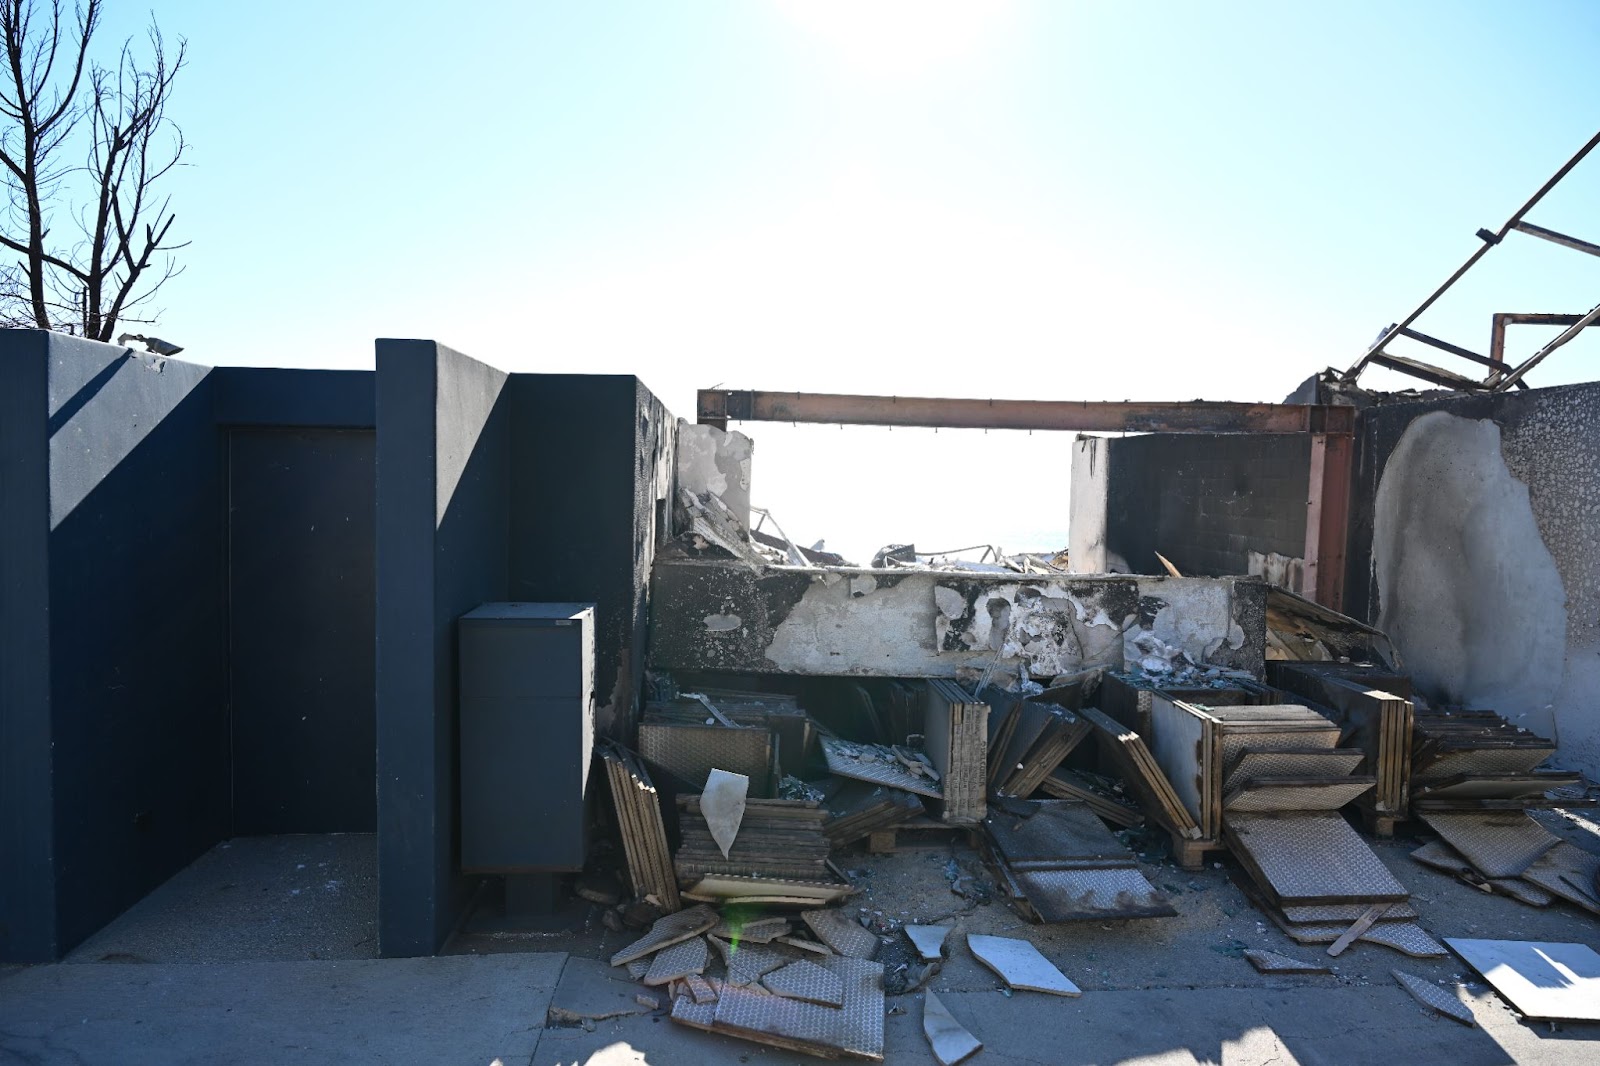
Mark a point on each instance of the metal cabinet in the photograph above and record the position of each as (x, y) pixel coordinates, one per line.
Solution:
(527, 735)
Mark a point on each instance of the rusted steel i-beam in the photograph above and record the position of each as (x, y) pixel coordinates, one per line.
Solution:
(720, 406)
(1328, 518)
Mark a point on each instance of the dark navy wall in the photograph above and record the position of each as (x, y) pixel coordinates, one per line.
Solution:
(586, 454)
(27, 837)
(443, 528)
(1206, 500)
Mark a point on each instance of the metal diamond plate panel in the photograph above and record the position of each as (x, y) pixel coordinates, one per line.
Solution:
(693, 751)
(1234, 745)
(1313, 858)
(1496, 843)
(1329, 797)
(1569, 872)
(1328, 763)
(1348, 912)
(807, 981)
(1406, 938)
(1058, 829)
(748, 962)
(680, 960)
(1482, 762)
(668, 931)
(841, 934)
(1433, 997)
(1082, 895)
(856, 1028)
(842, 763)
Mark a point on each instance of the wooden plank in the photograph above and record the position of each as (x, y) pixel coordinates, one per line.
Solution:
(1359, 926)
(1181, 741)
(1142, 775)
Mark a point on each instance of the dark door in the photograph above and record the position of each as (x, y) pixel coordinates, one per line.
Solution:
(301, 543)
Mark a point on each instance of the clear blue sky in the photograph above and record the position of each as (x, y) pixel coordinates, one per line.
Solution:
(1063, 200)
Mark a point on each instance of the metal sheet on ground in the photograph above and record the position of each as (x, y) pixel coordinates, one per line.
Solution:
(1271, 962)
(1496, 843)
(841, 934)
(1543, 981)
(807, 981)
(1058, 829)
(1310, 859)
(1020, 965)
(1569, 872)
(667, 931)
(1080, 895)
(854, 1029)
(1435, 998)
(949, 1040)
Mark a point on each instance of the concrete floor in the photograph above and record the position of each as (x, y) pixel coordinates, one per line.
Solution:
(1160, 992)
(254, 898)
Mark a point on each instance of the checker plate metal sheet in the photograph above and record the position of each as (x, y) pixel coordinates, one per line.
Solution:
(1481, 763)
(680, 960)
(1568, 871)
(668, 931)
(1292, 764)
(693, 751)
(1314, 858)
(1262, 798)
(1058, 829)
(841, 934)
(807, 981)
(854, 1029)
(1348, 912)
(1496, 843)
(1234, 745)
(1082, 895)
(1435, 998)
(879, 773)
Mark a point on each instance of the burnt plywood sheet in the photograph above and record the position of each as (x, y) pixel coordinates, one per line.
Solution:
(1068, 895)
(1543, 981)
(1496, 843)
(1311, 858)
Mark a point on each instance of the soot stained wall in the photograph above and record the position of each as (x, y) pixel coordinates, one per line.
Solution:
(1204, 501)
(1474, 534)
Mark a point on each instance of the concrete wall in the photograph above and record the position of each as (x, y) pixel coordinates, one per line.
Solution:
(1205, 501)
(116, 701)
(1477, 548)
(591, 476)
(444, 477)
(1086, 509)
(716, 461)
(724, 615)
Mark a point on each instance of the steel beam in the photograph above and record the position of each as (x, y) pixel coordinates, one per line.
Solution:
(1328, 519)
(720, 406)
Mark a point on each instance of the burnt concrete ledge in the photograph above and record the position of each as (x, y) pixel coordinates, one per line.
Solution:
(728, 615)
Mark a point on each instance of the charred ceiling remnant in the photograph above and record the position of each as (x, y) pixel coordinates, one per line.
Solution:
(729, 615)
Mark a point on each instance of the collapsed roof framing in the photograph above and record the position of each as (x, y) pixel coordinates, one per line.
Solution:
(1332, 430)
(1501, 376)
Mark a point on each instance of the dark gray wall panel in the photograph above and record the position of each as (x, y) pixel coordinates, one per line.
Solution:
(137, 623)
(273, 396)
(1206, 500)
(302, 515)
(443, 527)
(27, 872)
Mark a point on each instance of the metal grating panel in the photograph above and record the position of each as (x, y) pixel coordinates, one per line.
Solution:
(672, 929)
(841, 934)
(691, 752)
(747, 962)
(1314, 858)
(1496, 843)
(1253, 764)
(1405, 937)
(1324, 797)
(1076, 895)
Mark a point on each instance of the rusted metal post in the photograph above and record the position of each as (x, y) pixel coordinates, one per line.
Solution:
(1328, 518)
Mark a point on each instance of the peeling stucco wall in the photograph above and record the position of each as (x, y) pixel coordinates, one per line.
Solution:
(722, 615)
(718, 462)
(1485, 554)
